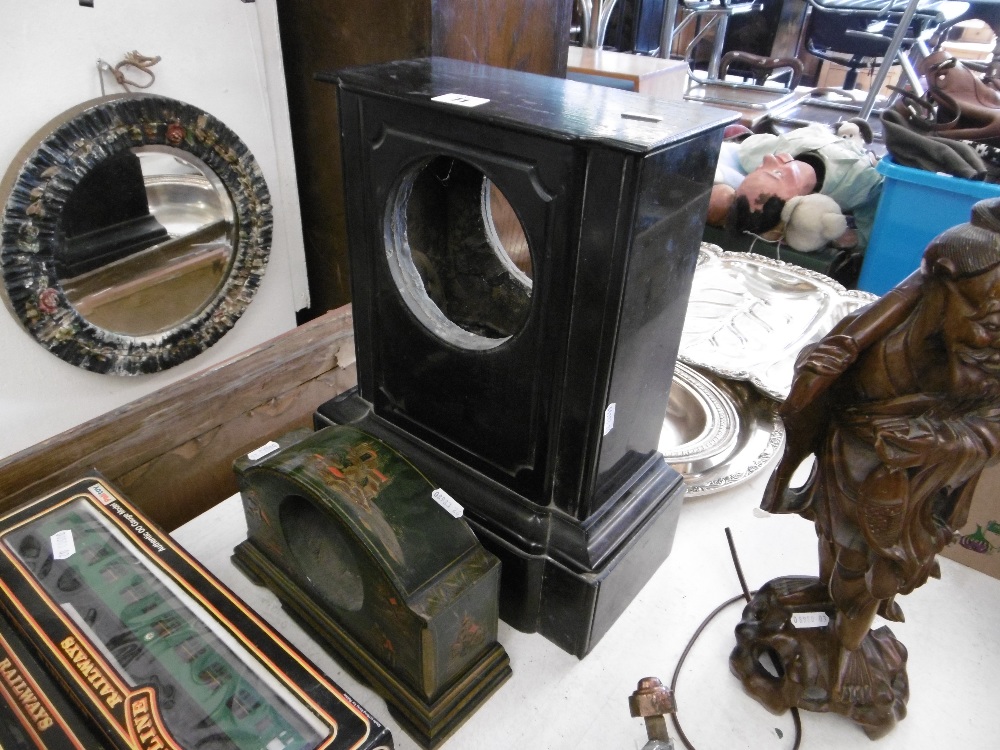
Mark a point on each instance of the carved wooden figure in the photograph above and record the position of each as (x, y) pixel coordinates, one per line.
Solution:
(900, 404)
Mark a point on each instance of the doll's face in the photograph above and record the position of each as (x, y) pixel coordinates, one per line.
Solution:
(779, 175)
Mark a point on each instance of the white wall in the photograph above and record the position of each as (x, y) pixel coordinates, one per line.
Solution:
(220, 55)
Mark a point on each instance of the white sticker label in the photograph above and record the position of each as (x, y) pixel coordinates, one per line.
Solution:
(447, 502)
(609, 418)
(63, 545)
(810, 619)
(101, 494)
(270, 447)
(640, 117)
(462, 100)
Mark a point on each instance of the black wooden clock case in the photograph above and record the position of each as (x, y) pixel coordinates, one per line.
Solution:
(547, 432)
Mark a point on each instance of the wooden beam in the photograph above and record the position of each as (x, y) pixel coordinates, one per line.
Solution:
(172, 451)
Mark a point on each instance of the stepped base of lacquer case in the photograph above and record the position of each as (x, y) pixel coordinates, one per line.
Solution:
(429, 723)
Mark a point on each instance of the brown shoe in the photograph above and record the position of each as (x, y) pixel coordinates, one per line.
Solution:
(940, 115)
(948, 80)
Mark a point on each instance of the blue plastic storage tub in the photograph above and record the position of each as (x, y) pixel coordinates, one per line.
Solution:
(915, 207)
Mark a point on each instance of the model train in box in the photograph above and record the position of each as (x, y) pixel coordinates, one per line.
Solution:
(160, 655)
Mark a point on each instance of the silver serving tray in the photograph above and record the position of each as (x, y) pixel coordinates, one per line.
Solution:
(717, 433)
(748, 316)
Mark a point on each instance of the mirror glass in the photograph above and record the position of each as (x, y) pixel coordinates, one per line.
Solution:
(135, 232)
(158, 251)
(459, 254)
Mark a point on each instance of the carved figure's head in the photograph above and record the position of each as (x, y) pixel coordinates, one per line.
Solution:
(965, 263)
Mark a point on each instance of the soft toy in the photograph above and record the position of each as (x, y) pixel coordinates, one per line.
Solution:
(856, 130)
(811, 221)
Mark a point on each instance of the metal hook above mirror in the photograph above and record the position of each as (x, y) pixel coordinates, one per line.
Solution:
(135, 232)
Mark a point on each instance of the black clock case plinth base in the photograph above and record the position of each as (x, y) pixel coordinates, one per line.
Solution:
(565, 579)
(428, 723)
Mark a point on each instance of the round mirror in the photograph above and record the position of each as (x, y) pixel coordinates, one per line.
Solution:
(458, 254)
(135, 232)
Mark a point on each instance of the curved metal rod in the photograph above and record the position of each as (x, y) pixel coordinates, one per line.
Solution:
(591, 36)
(710, 24)
(584, 6)
(607, 6)
(888, 57)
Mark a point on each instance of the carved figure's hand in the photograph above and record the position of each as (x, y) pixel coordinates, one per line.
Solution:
(818, 368)
(831, 356)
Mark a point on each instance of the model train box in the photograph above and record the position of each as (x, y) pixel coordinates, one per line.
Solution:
(157, 652)
(35, 713)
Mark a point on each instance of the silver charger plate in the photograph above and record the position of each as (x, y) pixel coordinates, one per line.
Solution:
(749, 316)
(717, 433)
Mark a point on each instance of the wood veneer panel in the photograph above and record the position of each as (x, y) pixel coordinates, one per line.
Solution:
(526, 35)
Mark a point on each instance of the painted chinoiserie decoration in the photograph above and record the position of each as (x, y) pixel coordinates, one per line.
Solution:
(154, 651)
(135, 231)
(365, 551)
(522, 250)
(900, 405)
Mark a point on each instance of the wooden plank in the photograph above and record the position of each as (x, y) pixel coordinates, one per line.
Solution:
(188, 480)
(193, 422)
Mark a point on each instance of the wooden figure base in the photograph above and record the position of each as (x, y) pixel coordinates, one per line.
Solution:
(567, 579)
(784, 659)
(430, 723)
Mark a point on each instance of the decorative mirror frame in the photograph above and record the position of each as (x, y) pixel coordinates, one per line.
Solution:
(43, 177)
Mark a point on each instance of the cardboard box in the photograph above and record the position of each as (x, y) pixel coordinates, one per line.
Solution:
(979, 542)
(156, 651)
